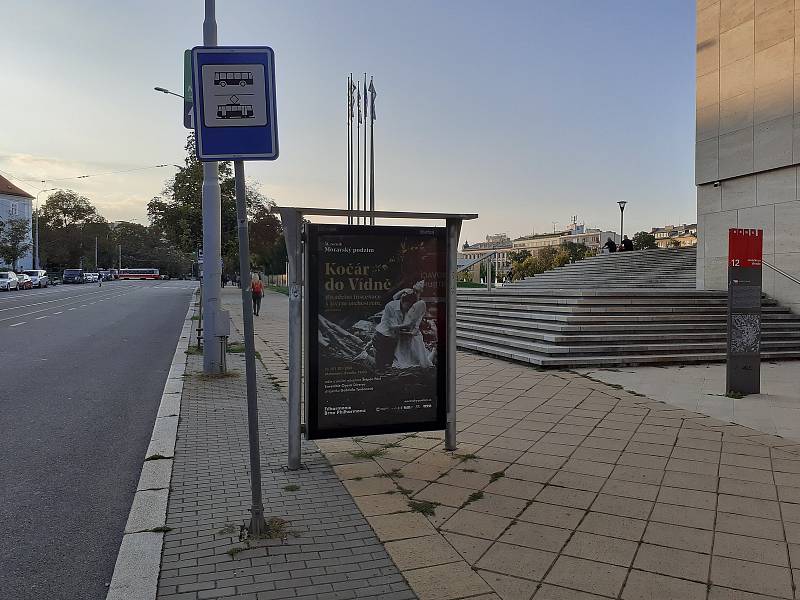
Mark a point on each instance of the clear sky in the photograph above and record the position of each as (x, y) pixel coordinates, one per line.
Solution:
(525, 112)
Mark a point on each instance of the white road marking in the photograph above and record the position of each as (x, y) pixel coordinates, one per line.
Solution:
(58, 313)
(18, 324)
(70, 309)
(42, 317)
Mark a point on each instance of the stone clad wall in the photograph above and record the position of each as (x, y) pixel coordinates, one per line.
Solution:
(748, 136)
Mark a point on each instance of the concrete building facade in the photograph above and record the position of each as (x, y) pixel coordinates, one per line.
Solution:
(16, 203)
(748, 136)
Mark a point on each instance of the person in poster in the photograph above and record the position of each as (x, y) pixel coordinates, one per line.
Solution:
(375, 329)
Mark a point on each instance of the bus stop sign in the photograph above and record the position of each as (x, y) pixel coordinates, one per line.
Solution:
(234, 103)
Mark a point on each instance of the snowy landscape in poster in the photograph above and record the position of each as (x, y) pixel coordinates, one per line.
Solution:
(377, 329)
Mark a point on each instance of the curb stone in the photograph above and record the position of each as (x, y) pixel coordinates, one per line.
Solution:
(139, 560)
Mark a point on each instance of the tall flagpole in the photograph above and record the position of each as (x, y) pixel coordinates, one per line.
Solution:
(372, 95)
(366, 115)
(352, 98)
(358, 154)
(349, 157)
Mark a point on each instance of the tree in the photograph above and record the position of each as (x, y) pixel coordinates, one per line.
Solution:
(14, 240)
(65, 208)
(517, 256)
(644, 241)
(178, 214)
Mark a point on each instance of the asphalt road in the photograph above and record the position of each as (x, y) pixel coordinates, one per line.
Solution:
(83, 368)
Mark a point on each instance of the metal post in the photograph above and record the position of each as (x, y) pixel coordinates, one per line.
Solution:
(212, 228)
(292, 223)
(453, 231)
(257, 524)
(36, 241)
(96, 268)
(119, 248)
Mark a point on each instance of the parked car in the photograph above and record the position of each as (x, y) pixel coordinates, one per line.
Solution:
(73, 276)
(106, 275)
(39, 277)
(8, 281)
(25, 281)
(91, 277)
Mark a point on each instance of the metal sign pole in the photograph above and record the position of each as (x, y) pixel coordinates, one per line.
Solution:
(292, 221)
(257, 524)
(453, 231)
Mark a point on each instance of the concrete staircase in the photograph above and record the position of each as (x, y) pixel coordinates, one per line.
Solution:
(613, 310)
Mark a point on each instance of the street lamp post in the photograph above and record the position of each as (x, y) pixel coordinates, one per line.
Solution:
(622, 204)
(36, 238)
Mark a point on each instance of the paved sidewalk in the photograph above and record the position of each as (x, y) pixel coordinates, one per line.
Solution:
(324, 547)
(701, 388)
(568, 488)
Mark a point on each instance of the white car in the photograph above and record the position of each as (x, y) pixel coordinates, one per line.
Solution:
(9, 281)
(91, 277)
(39, 277)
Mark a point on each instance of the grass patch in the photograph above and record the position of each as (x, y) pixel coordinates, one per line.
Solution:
(156, 456)
(473, 497)
(375, 453)
(212, 376)
(423, 506)
(292, 487)
(236, 348)
(496, 475)
(195, 317)
(232, 552)
(735, 395)
(194, 350)
(281, 289)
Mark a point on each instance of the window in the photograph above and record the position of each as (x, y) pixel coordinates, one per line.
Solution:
(14, 210)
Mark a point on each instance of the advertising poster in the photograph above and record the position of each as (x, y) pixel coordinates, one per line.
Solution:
(377, 322)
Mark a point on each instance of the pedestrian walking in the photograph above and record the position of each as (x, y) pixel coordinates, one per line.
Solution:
(626, 244)
(611, 245)
(257, 290)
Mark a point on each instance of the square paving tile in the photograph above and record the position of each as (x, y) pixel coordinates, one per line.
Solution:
(448, 495)
(552, 592)
(468, 522)
(587, 575)
(495, 504)
(676, 536)
(422, 552)
(382, 504)
(508, 587)
(753, 577)
(446, 582)
(400, 526)
(673, 562)
(516, 561)
(535, 535)
(613, 525)
(470, 548)
(650, 586)
(566, 496)
(516, 488)
(601, 548)
(553, 515)
(751, 549)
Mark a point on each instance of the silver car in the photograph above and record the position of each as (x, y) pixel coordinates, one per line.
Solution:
(9, 281)
(39, 277)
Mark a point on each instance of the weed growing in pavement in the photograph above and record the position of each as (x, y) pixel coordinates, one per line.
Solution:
(469, 470)
(236, 348)
(229, 529)
(156, 456)
(357, 478)
(292, 487)
(735, 395)
(211, 376)
(466, 457)
(393, 473)
(473, 497)
(232, 552)
(195, 317)
(423, 506)
(404, 491)
(374, 453)
(161, 529)
(495, 476)
(194, 350)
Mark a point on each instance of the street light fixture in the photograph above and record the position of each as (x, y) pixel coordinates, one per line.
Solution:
(166, 91)
(622, 204)
(36, 241)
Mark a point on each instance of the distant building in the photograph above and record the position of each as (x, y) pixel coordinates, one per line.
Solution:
(499, 243)
(579, 234)
(16, 203)
(675, 236)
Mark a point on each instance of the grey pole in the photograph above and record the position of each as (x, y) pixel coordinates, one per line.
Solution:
(95, 254)
(119, 247)
(257, 525)
(292, 223)
(212, 231)
(36, 241)
(453, 231)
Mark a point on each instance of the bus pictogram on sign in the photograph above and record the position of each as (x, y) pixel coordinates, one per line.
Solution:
(235, 111)
(240, 78)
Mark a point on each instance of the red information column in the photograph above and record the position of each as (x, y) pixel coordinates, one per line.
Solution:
(745, 250)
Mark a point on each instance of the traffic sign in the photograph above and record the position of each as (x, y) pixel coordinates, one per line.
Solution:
(188, 110)
(234, 103)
